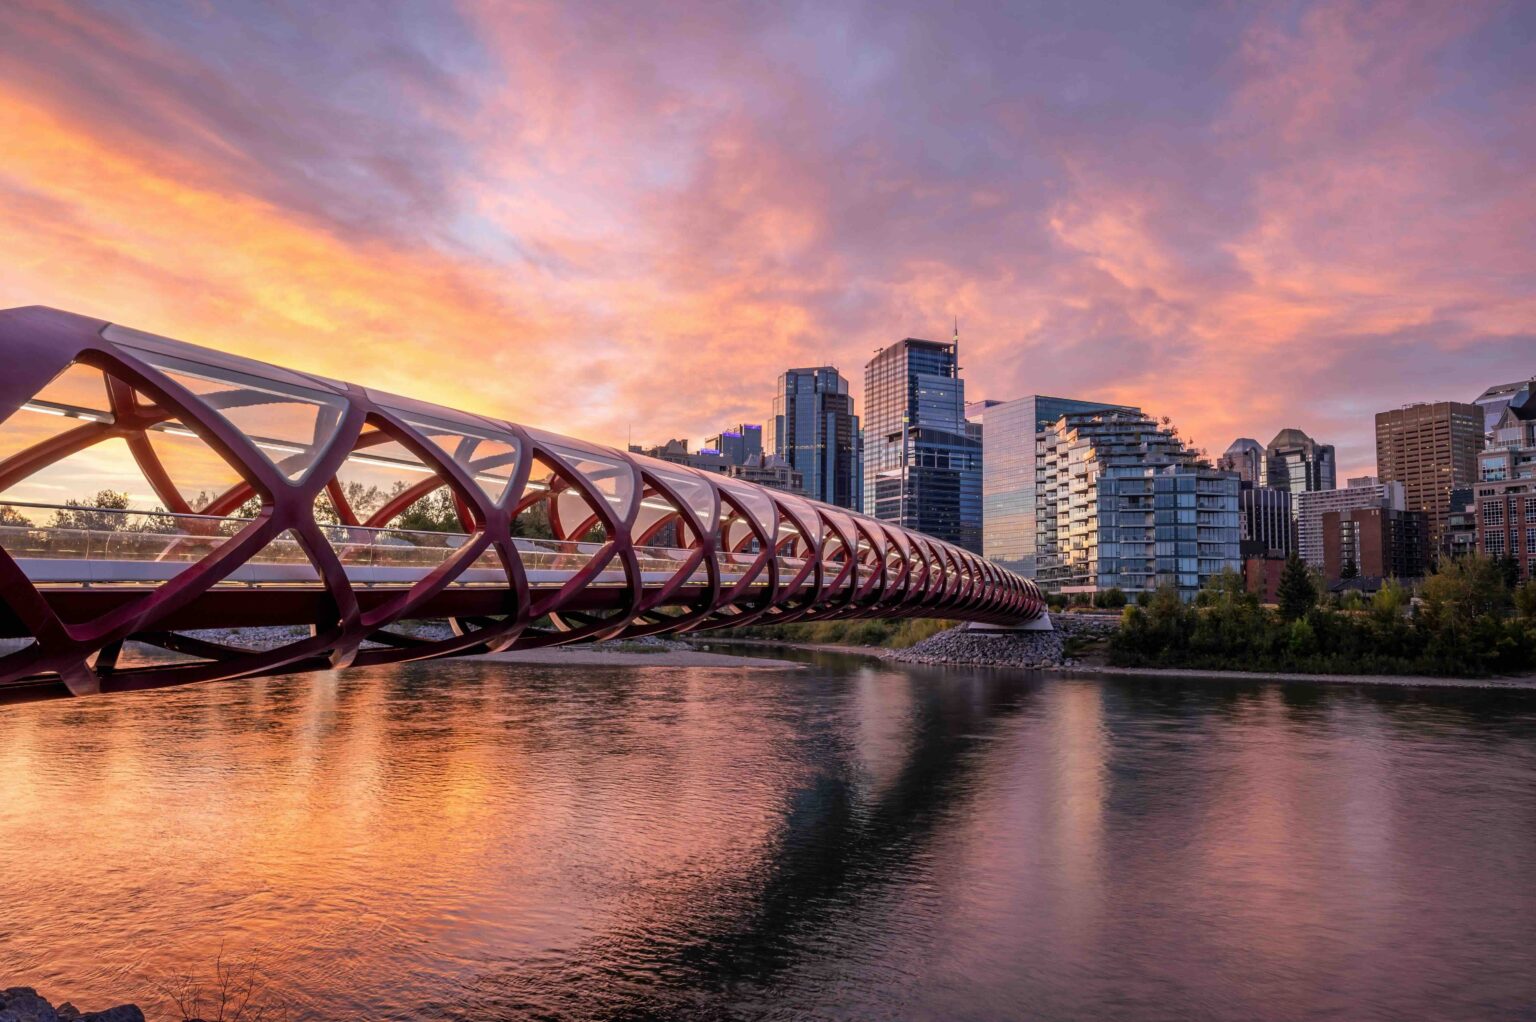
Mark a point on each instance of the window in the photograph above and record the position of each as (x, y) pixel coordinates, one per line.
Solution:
(1493, 544)
(1493, 513)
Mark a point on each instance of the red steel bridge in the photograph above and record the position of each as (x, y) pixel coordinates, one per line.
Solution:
(363, 528)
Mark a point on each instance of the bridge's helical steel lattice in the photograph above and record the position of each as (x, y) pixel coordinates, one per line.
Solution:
(549, 539)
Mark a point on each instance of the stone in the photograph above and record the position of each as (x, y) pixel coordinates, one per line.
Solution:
(21, 1004)
(121, 1013)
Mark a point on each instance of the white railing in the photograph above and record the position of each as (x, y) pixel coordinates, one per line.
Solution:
(83, 543)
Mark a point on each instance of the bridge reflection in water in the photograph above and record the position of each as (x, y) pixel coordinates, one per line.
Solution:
(244, 496)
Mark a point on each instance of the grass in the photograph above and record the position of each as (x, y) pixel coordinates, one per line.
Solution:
(889, 634)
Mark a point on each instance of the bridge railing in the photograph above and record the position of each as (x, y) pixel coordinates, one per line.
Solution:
(93, 538)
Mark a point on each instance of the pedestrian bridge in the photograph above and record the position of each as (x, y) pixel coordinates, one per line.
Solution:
(171, 514)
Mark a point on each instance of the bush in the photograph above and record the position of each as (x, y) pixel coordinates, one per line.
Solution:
(1465, 629)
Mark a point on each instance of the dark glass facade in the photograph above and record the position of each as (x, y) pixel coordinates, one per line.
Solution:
(817, 435)
(922, 466)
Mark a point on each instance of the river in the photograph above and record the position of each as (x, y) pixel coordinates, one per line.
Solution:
(471, 840)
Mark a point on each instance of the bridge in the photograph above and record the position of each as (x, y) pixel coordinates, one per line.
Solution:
(157, 496)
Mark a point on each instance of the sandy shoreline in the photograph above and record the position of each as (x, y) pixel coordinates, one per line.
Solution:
(586, 656)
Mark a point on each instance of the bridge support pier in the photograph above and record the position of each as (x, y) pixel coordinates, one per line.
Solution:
(1039, 624)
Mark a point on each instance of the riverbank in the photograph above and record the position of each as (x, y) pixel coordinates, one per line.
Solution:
(1049, 651)
(597, 656)
(1398, 680)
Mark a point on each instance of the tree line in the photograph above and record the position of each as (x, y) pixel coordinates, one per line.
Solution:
(1468, 619)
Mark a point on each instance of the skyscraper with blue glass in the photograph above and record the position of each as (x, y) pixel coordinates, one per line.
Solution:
(922, 467)
(817, 434)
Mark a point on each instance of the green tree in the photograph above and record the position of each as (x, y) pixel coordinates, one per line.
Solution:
(1296, 593)
(1350, 569)
(1462, 591)
(1390, 602)
(96, 515)
(1525, 600)
(1510, 569)
(1112, 598)
(436, 512)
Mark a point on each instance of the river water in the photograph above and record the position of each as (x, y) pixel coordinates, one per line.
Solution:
(469, 840)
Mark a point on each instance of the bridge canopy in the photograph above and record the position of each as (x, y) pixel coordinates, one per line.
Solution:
(154, 494)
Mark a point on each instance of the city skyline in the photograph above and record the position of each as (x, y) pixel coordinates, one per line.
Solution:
(1321, 211)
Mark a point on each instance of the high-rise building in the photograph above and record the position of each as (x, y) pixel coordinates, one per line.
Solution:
(1431, 449)
(1495, 399)
(1244, 456)
(1295, 462)
(1460, 535)
(921, 469)
(737, 446)
(1505, 509)
(1375, 543)
(1365, 491)
(1268, 520)
(816, 433)
(1122, 503)
(1010, 461)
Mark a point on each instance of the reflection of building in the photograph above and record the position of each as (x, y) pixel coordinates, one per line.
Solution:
(1506, 486)
(1123, 503)
(817, 434)
(1009, 464)
(1245, 457)
(737, 446)
(921, 469)
(1295, 462)
(1375, 543)
(1431, 449)
(1365, 491)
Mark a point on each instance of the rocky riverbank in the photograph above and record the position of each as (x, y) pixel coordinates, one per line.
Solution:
(1027, 650)
(22, 1004)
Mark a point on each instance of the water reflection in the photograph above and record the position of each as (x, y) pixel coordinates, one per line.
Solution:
(468, 840)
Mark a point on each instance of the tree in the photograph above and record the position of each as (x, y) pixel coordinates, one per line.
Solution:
(435, 512)
(1112, 598)
(1463, 591)
(1510, 568)
(1525, 600)
(1296, 594)
(94, 516)
(1350, 569)
(1390, 601)
(10, 516)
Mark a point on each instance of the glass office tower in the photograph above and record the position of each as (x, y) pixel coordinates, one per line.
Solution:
(817, 435)
(1009, 466)
(921, 468)
(1296, 463)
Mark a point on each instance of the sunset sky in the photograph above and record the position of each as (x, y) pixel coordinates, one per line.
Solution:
(617, 220)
